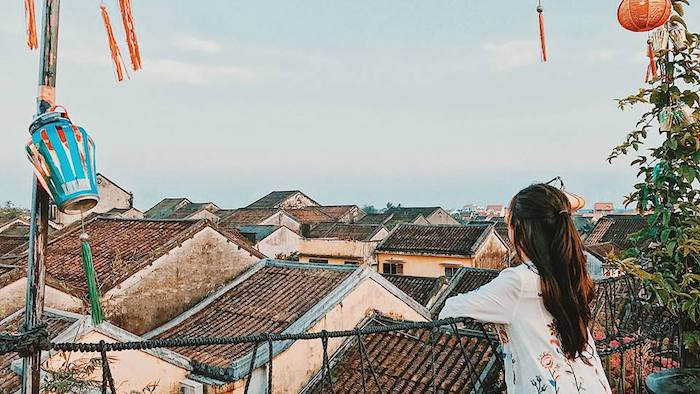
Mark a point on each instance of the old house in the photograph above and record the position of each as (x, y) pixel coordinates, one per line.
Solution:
(616, 229)
(183, 208)
(598, 265)
(412, 215)
(422, 289)
(111, 196)
(601, 209)
(313, 215)
(155, 371)
(283, 199)
(466, 279)
(277, 242)
(342, 243)
(283, 297)
(401, 362)
(260, 217)
(440, 250)
(148, 271)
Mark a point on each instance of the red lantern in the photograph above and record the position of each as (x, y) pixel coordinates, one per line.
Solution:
(643, 15)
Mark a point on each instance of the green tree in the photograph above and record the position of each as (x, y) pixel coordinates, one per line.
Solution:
(370, 209)
(666, 255)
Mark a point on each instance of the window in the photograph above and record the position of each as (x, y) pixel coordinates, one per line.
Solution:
(392, 268)
(350, 262)
(318, 261)
(450, 271)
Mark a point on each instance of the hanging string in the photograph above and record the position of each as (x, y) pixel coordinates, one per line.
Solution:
(269, 363)
(651, 69)
(107, 379)
(113, 47)
(30, 20)
(543, 46)
(130, 32)
(249, 376)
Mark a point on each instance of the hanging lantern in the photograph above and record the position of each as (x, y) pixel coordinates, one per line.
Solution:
(575, 201)
(677, 115)
(678, 37)
(63, 157)
(659, 38)
(643, 15)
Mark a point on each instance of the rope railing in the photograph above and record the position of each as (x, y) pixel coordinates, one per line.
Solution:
(626, 330)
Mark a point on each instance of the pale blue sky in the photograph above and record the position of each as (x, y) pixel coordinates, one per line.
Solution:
(419, 102)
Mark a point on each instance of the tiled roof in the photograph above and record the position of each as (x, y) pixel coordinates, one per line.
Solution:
(18, 229)
(8, 243)
(601, 250)
(165, 208)
(273, 199)
(402, 363)
(320, 214)
(419, 288)
(257, 233)
(9, 380)
(269, 300)
(616, 229)
(436, 239)
(133, 243)
(191, 209)
(356, 231)
(375, 218)
(247, 217)
(465, 280)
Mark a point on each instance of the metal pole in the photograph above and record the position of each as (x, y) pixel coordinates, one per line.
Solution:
(38, 234)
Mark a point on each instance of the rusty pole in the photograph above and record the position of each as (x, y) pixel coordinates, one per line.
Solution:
(38, 234)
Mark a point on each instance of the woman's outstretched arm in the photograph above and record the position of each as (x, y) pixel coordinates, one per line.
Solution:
(495, 302)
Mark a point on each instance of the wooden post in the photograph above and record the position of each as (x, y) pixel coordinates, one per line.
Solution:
(38, 234)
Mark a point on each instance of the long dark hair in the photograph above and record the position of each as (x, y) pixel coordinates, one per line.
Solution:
(542, 230)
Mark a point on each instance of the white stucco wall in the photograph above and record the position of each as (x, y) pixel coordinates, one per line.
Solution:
(441, 216)
(280, 244)
(282, 219)
(337, 250)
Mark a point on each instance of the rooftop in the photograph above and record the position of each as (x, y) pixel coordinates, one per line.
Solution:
(247, 216)
(616, 229)
(256, 233)
(401, 361)
(355, 232)
(465, 280)
(8, 243)
(120, 247)
(268, 298)
(165, 208)
(321, 214)
(436, 239)
(274, 199)
(419, 288)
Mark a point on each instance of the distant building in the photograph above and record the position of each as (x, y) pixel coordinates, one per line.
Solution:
(182, 208)
(440, 250)
(313, 215)
(287, 199)
(601, 209)
(111, 196)
(277, 242)
(495, 210)
(342, 243)
(412, 215)
(260, 216)
(616, 229)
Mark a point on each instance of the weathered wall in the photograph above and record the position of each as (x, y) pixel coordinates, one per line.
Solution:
(281, 219)
(298, 363)
(175, 282)
(111, 197)
(280, 244)
(337, 251)
(132, 370)
(12, 299)
(426, 266)
(492, 254)
(297, 201)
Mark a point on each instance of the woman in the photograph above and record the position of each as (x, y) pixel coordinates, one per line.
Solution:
(542, 307)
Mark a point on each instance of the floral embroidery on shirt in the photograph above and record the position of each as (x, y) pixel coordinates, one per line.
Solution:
(537, 383)
(502, 334)
(548, 363)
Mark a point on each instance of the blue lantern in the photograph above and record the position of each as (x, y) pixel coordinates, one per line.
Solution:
(63, 157)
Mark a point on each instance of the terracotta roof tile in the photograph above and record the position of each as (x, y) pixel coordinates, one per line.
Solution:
(436, 239)
(616, 229)
(419, 288)
(355, 231)
(191, 209)
(8, 243)
(320, 214)
(9, 380)
(247, 217)
(274, 199)
(17, 230)
(270, 300)
(401, 361)
(131, 244)
(376, 218)
(165, 208)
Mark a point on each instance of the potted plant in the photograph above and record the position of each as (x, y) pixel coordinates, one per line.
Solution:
(666, 256)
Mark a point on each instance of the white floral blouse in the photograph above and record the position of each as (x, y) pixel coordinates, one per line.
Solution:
(532, 355)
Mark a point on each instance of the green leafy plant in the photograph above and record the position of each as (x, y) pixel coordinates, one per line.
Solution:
(666, 254)
(71, 376)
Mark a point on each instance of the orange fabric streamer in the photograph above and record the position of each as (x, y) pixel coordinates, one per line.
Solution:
(543, 46)
(113, 47)
(651, 69)
(30, 19)
(130, 32)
